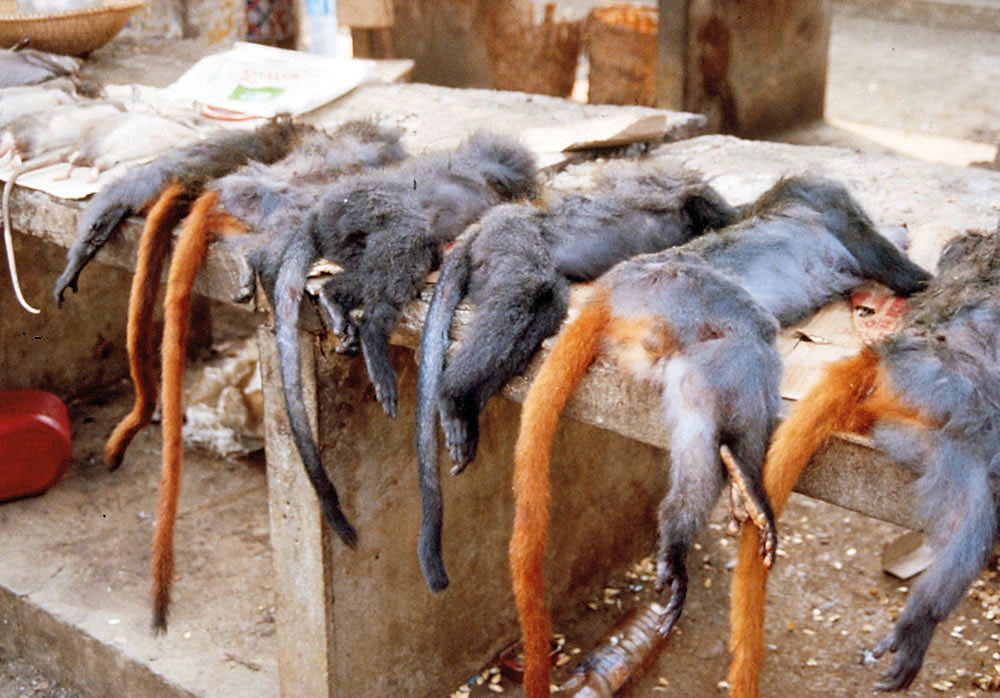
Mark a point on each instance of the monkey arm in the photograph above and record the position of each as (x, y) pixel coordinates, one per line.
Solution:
(109, 207)
(509, 327)
(956, 490)
(394, 268)
(337, 297)
(501, 341)
(194, 166)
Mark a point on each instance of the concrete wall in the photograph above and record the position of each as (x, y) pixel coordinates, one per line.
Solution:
(68, 350)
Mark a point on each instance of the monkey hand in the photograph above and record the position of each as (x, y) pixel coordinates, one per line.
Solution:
(341, 324)
(908, 640)
(384, 379)
(461, 435)
(247, 288)
(349, 341)
(746, 506)
(671, 571)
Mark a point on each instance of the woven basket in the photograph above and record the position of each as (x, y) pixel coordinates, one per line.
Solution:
(530, 57)
(72, 33)
(620, 41)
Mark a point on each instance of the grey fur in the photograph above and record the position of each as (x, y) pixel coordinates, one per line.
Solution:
(386, 230)
(272, 200)
(720, 299)
(946, 363)
(514, 267)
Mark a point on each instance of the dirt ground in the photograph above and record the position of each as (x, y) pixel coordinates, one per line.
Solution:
(828, 601)
(829, 598)
(18, 679)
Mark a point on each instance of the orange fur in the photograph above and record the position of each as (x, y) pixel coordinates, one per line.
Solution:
(575, 349)
(639, 342)
(164, 214)
(851, 396)
(192, 245)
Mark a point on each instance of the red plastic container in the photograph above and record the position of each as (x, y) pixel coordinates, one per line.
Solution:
(35, 444)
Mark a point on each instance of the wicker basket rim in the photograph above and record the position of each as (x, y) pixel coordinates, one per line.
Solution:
(106, 7)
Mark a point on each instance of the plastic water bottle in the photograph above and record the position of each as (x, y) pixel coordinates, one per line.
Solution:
(619, 656)
(321, 26)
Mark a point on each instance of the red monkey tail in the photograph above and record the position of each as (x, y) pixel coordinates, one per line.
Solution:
(160, 221)
(574, 351)
(192, 244)
(832, 406)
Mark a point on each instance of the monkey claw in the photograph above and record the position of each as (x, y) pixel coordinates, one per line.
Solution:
(746, 506)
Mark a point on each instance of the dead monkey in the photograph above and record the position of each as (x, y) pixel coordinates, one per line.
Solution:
(700, 321)
(929, 397)
(515, 267)
(190, 168)
(386, 230)
(257, 203)
(164, 190)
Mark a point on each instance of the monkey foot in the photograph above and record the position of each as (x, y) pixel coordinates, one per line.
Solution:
(908, 642)
(746, 506)
(674, 576)
(385, 393)
(349, 339)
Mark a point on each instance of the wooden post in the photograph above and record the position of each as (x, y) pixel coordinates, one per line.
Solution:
(303, 603)
(751, 67)
(671, 46)
(361, 622)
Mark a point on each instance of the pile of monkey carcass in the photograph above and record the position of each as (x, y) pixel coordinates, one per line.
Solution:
(688, 293)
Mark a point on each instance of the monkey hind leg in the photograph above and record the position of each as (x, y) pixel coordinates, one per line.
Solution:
(164, 215)
(388, 286)
(696, 478)
(957, 498)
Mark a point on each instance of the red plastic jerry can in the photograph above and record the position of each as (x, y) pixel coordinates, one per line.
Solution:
(35, 444)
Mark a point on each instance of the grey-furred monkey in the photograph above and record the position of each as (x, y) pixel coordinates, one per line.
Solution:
(255, 205)
(929, 398)
(515, 266)
(188, 169)
(700, 321)
(387, 231)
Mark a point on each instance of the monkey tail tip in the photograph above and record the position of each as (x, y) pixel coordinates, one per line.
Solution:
(431, 564)
(161, 604)
(437, 579)
(345, 531)
(159, 623)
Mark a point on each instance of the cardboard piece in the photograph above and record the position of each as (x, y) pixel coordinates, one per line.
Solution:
(554, 145)
(907, 556)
